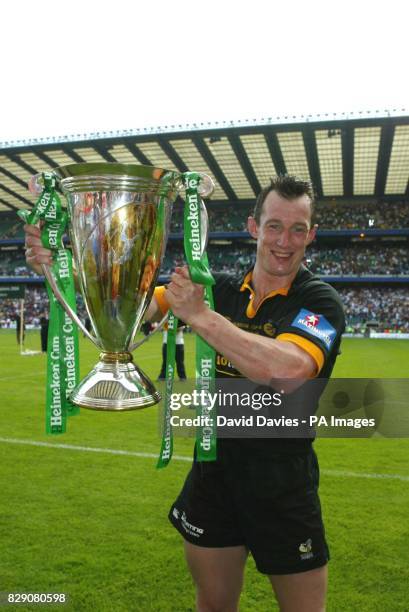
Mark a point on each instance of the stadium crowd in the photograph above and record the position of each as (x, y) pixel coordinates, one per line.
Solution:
(359, 261)
(223, 218)
(35, 305)
(380, 304)
(351, 259)
(386, 306)
(14, 265)
(328, 215)
(348, 259)
(361, 216)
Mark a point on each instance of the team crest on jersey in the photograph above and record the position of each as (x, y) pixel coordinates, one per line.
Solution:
(269, 329)
(316, 325)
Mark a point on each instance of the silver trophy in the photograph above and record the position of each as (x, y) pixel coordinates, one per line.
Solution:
(119, 225)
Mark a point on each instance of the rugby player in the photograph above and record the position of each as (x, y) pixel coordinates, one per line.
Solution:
(261, 495)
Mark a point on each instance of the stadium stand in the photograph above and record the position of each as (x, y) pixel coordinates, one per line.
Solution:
(328, 216)
(10, 226)
(359, 167)
(378, 305)
(387, 308)
(348, 259)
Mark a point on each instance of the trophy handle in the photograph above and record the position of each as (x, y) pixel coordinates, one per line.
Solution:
(149, 336)
(206, 185)
(35, 185)
(73, 315)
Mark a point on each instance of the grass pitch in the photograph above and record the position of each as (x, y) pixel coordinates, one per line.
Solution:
(93, 524)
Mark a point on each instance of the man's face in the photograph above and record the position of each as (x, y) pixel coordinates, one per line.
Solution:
(283, 234)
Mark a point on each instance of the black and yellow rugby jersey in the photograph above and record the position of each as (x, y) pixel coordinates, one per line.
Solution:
(309, 313)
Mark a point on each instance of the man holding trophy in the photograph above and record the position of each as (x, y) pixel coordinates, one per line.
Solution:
(260, 495)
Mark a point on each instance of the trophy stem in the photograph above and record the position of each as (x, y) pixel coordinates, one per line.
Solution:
(115, 384)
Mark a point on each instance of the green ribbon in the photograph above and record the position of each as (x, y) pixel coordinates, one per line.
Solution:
(62, 342)
(198, 264)
(166, 450)
(205, 354)
(206, 435)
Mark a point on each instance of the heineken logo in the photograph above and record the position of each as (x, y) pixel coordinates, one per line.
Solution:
(194, 226)
(55, 385)
(43, 203)
(62, 357)
(52, 210)
(69, 357)
(53, 235)
(63, 263)
(167, 442)
(204, 383)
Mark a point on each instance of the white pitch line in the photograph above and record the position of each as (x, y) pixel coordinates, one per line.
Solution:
(113, 451)
(375, 476)
(90, 449)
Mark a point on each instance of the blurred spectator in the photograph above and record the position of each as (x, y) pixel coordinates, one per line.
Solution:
(179, 352)
(20, 333)
(44, 331)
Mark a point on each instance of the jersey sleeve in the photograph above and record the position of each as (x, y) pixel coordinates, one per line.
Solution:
(159, 295)
(316, 325)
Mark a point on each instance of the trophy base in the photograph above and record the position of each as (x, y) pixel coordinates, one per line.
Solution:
(115, 384)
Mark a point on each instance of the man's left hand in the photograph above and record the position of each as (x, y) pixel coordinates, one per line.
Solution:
(185, 298)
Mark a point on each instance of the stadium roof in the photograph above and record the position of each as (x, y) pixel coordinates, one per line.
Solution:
(346, 159)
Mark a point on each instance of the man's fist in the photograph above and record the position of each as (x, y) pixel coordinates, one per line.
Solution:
(184, 297)
(36, 254)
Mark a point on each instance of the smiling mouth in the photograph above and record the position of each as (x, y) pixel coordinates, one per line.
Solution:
(281, 256)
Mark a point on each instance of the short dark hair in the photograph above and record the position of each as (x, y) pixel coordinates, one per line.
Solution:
(288, 187)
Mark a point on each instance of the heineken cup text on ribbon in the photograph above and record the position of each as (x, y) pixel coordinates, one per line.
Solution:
(62, 345)
(194, 243)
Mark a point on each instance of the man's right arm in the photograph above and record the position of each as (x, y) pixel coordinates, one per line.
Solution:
(153, 312)
(158, 306)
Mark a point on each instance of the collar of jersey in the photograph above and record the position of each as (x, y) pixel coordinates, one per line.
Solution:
(250, 311)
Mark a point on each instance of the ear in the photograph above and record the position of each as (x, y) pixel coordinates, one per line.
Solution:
(252, 227)
(311, 234)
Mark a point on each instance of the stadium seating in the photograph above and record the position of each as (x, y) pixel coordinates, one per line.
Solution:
(384, 255)
(329, 216)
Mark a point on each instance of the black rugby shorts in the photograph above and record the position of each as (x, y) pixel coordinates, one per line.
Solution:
(268, 504)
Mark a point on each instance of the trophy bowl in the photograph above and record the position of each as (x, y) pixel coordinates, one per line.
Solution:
(119, 219)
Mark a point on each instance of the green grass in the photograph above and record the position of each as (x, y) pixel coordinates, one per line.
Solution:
(94, 525)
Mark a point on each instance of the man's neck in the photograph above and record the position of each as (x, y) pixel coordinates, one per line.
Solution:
(263, 283)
